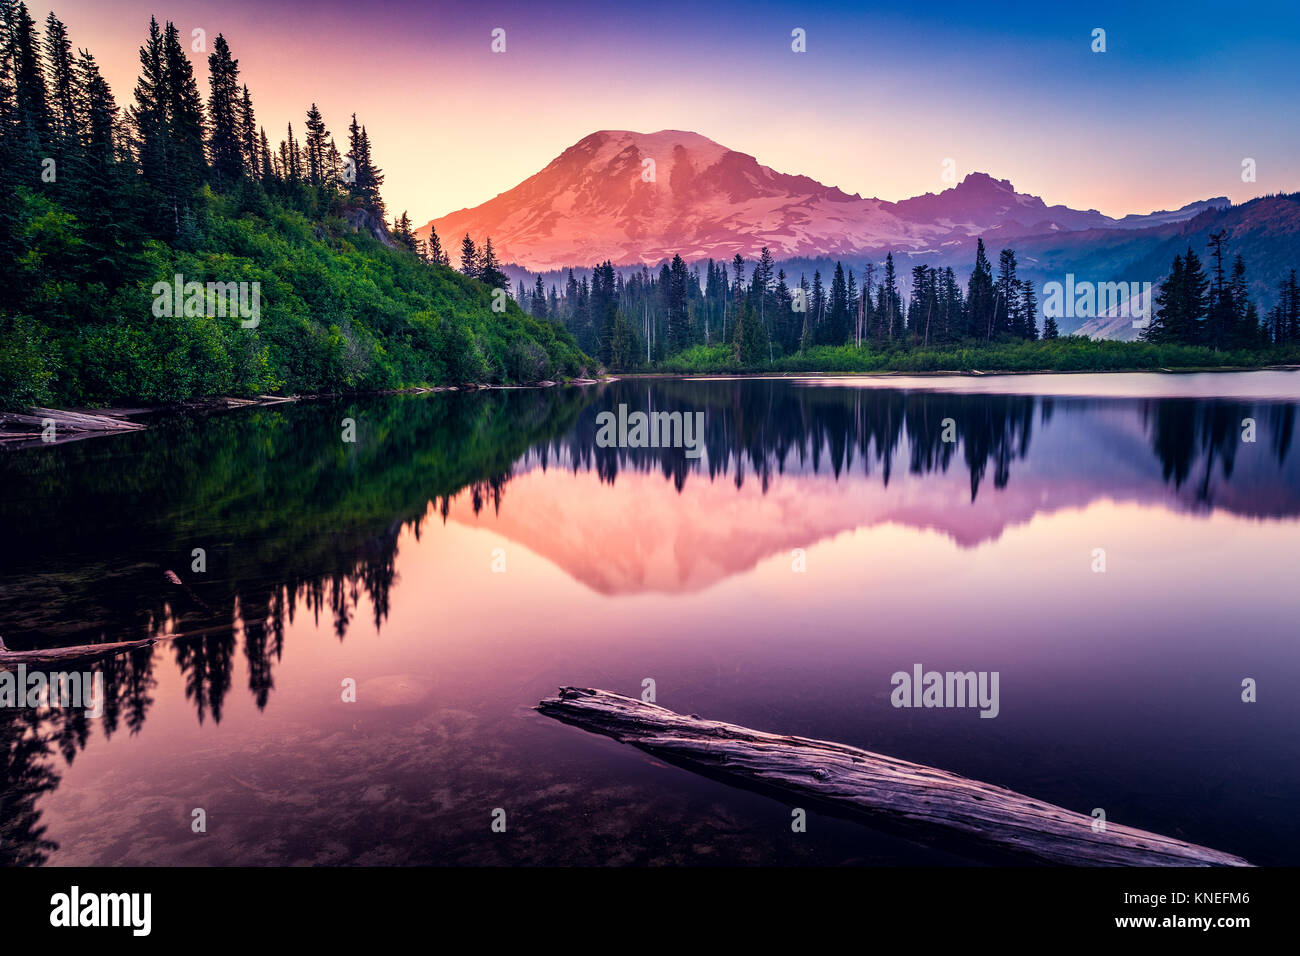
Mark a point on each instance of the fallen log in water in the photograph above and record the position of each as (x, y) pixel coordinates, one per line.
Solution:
(65, 655)
(22, 431)
(94, 652)
(882, 791)
(84, 422)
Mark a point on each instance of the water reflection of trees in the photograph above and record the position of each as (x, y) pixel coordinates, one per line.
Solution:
(295, 521)
(292, 519)
(763, 429)
(29, 741)
(1191, 436)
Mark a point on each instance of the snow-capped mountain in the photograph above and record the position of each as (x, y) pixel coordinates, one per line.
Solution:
(643, 197)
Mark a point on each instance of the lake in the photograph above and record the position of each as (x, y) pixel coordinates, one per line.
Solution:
(1120, 550)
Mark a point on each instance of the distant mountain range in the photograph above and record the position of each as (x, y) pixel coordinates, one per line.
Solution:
(638, 198)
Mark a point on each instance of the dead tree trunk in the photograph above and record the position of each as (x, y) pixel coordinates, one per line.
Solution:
(881, 791)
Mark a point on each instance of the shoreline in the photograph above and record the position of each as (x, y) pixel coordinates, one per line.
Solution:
(76, 422)
(964, 373)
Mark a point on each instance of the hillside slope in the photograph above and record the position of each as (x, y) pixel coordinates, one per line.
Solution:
(342, 309)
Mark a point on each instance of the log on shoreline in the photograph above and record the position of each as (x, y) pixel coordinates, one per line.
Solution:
(880, 791)
(82, 421)
(19, 430)
(81, 653)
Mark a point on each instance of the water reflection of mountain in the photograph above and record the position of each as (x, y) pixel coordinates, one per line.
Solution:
(293, 520)
(854, 458)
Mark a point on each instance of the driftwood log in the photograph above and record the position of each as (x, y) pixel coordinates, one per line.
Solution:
(89, 653)
(19, 430)
(887, 793)
(84, 422)
(81, 653)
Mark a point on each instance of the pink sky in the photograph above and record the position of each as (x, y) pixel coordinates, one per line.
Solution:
(454, 124)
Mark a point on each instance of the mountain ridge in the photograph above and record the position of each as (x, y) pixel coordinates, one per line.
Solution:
(642, 197)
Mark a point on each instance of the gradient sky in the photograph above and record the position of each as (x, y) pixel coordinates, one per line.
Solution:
(882, 96)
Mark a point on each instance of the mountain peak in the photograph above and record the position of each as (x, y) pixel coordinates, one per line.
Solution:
(659, 137)
(602, 146)
(985, 182)
(634, 197)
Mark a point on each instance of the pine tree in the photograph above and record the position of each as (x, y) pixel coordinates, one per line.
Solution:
(570, 295)
(867, 321)
(30, 117)
(402, 233)
(816, 307)
(104, 199)
(1244, 323)
(1282, 325)
(738, 283)
(1195, 292)
(149, 121)
(316, 135)
(333, 165)
(916, 306)
(835, 330)
(58, 58)
(469, 263)
(954, 316)
(603, 308)
(266, 163)
(437, 255)
(248, 150)
(362, 177)
(537, 304)
(96, 112)
(490, 270)
(290, 158)
(980, 296)
(751, 347)
(785, 331)
(892, 310)
(225, 133)
(1181, 304)
(1165, 320)
(366, 178)
(1006, 298)
(678, 315)
(184, 122)
(1029, 312)
(1220, 317)
(763, 279)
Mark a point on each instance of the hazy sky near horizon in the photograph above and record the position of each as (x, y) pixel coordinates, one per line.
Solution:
(1184, 92)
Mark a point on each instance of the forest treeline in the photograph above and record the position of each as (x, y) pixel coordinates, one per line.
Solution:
(100, 202)
(743, 316)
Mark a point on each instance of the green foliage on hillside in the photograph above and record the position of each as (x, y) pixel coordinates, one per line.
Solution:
(340, 312)
(297, 285)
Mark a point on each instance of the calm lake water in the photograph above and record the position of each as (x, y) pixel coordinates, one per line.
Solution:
(469, 553)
